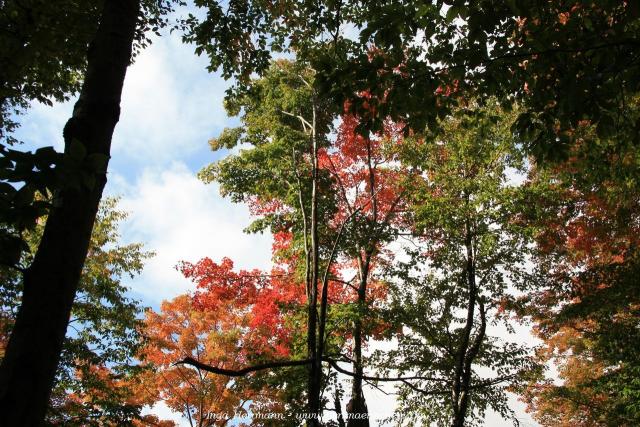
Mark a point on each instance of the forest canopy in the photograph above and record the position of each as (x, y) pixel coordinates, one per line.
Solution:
(448, 191)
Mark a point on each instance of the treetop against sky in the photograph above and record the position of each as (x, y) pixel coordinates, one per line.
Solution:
(168, 97)
(171, 106)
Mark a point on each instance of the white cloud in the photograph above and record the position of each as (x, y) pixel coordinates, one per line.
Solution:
(170, 104)
(180, 218)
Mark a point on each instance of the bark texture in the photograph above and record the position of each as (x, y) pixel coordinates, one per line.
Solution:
(28, 370)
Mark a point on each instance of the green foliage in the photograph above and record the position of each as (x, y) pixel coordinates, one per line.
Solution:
(20, 205)
(240, 36)
(565, 62)
(273, 163)
(43, 49)
(28, 184)
(104, 329)
(466, 211)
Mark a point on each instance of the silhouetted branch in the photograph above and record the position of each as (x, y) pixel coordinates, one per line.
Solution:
(244, 371)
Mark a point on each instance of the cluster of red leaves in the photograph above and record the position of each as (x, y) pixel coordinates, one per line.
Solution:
(259, 207)
(262, 298)
(363, 171)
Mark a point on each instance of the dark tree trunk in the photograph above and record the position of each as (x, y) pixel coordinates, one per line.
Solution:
(28, 370)
(468, 349)
(357, 411)
(338, 408)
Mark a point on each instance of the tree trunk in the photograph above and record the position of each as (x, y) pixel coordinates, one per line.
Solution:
(357, 411)
(315, 371)
(28, 370)
(466, 352)
(338, 408)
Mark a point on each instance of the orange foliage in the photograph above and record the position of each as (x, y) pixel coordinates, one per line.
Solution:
(213, 336)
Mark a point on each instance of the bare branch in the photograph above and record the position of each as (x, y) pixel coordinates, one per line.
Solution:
(305, 122)
(244, 371)
(340, 369)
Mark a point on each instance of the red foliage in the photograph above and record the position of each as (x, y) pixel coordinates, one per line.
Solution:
(259, 296)
(364, 171)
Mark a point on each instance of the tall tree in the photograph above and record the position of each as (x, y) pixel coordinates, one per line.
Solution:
(370, 190)
(287, 124)
(94, 380)
(50, 282)
(448, 292)
(585, 211)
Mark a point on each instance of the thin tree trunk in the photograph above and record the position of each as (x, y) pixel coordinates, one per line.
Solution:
(465, 353)
(338, 408)
(358, 413)
(315, 371)
(28, 370)
(466, 376)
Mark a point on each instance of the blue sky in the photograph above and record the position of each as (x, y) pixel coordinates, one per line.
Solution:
(171, 107)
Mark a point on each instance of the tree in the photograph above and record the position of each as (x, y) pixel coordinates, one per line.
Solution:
(267, 321)
(287, 123)
(94, 380)
(50, 282)
(369, 190)
(470, 254)
(585, 214)
(213, 336)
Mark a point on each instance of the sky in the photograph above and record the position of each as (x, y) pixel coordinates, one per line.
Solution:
(171, 107)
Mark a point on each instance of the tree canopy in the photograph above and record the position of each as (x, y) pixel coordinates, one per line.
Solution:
(433, 173)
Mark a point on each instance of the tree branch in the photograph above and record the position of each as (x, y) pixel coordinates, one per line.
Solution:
(338, 368)
(244, 371)
(289, 363)
(305, 122)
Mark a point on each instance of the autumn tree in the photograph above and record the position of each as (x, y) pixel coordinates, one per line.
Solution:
(285, 122)
(468, 252)
(271, 310)
(369, 189)
(214, 335)
(95, 381)
(310, 198)
(585, 212)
